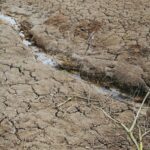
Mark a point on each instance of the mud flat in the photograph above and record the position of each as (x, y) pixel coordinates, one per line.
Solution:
(106, 42)
(44, 108)
(30, 93)
(49, 61)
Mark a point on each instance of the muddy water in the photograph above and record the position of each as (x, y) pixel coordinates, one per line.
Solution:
(50, 61)
(47, 60)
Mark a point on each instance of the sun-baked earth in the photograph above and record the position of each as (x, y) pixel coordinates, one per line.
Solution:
(106, 41)
(42, 108)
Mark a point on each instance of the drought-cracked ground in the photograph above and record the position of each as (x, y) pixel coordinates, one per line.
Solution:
(33, 114)
(106, 41)
(48, 109)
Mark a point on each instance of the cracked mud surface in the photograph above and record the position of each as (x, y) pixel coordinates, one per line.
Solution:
(106, 41)
(29, 95)
(33, 112)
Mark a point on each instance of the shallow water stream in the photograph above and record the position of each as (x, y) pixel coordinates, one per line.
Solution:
(50, 61)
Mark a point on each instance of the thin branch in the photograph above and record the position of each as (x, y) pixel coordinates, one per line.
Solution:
(133, 139)
(85, 98)
(69, 99)
(114, 120)
(89, 41)
(138, 113)
(139, 145)
(140, 133)
(144, 134)
(107, 115)
(123, 126)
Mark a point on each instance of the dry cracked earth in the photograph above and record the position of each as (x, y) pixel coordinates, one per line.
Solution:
(43, 108)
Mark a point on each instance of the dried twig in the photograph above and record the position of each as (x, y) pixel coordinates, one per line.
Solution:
(69, 99)
(146, 133)
(89, 41)
(129, 131)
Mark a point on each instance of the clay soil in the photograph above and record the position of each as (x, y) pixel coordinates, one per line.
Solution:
(43, 108)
